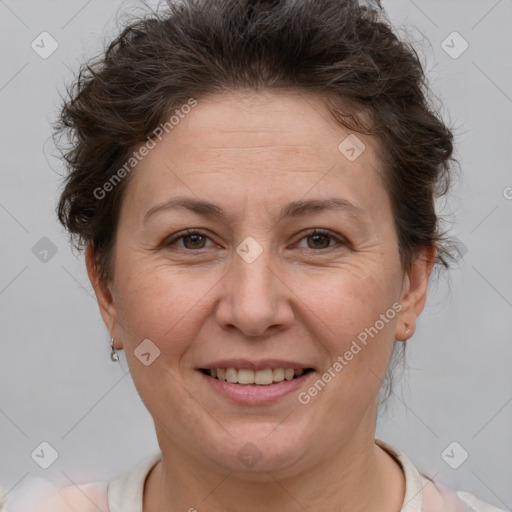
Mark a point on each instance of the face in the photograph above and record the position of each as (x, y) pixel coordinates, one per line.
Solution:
(256, 288)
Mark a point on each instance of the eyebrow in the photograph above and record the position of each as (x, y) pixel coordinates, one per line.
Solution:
(293, 209)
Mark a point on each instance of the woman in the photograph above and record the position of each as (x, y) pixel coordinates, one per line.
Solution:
(254, 184)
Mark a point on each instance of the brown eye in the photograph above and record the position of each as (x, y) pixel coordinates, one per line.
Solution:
(192, 240)
(196, 241)
(320, 239)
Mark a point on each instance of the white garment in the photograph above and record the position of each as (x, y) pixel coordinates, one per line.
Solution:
(125, 493)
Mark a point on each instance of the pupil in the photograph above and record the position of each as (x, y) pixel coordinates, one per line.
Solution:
(195, 238)
(320, 236)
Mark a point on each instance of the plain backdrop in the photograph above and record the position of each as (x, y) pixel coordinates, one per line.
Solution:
(57, 382)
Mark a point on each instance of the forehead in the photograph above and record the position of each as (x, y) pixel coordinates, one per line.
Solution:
(270, 145)
(277, 121)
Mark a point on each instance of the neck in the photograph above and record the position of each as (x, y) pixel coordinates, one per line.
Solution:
(358, 476)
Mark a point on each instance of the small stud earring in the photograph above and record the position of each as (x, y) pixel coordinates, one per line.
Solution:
(114, 357)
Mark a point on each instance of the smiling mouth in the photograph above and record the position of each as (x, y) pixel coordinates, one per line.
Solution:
(257, 378)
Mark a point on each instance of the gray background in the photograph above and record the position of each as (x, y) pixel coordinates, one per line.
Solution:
(57, 382)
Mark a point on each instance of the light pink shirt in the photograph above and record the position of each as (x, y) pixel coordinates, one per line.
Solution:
(125, 493)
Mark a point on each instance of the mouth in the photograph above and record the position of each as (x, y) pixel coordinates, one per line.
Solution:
(249, 377)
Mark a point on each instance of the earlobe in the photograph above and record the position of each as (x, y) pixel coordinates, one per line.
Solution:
(103, 294)
(414, 293)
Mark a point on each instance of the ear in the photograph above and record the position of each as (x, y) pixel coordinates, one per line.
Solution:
(103, 296)
(414, 292)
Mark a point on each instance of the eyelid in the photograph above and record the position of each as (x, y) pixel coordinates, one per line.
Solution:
(311, 232)
(321, 231)
(182, 234)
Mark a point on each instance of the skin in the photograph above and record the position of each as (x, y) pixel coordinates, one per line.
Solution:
(304, 299)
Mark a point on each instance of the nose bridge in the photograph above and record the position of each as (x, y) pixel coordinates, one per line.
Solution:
(252, 266)
(254, 286)
(255, 298)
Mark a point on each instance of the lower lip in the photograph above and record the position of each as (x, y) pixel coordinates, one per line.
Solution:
(252, 394)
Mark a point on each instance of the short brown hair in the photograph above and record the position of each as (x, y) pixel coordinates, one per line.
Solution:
(346, 53)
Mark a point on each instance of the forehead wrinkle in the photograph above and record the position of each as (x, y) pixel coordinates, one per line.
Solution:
(273, 147)
(294, 209)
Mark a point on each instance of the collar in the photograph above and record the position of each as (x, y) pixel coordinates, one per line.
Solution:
(125, 493)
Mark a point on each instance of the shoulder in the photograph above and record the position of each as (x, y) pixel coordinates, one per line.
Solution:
(423, 494)
(437, 498)
(39, 495)
(123, 494)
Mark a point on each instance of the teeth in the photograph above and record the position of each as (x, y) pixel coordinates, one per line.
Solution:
(264, 377)
(278, 374)
(289, 373)
(260, 377)
(231, 375)
(245, 377)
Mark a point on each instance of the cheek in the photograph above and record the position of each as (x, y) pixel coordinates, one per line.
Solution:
(347, 301)
(358, 345)
(357, 316)
(167, 306)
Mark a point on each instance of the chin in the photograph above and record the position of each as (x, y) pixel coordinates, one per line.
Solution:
(257, 449)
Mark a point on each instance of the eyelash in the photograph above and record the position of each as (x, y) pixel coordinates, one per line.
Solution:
(192, 232)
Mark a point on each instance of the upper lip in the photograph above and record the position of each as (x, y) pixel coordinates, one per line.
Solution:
(262, 364)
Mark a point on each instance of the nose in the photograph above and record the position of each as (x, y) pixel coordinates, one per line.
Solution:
(256, 298)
